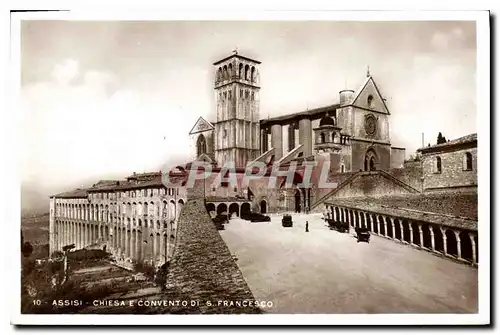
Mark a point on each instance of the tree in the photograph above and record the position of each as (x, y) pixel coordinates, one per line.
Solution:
(441, 138)
(26, 247)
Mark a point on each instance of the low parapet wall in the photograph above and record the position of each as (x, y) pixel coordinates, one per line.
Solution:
(202, 269)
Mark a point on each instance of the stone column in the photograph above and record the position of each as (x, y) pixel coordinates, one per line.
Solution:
(393, 228)
(433, 241)
(473, 245)
(132, 244)
(402, 230)
(162, 248)
(459, 247)
(277, 141)
(421, 233)
(127, 242)
(445, 246)
(155, 249)
(378, 225)
(305, 136)
(138, 245)
(411, 232)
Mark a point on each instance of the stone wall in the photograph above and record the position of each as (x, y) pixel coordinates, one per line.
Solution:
(452, 173)
(202, 268)
(370, 184)
(411, 174)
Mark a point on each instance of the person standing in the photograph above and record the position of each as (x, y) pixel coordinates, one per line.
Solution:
(307, 226)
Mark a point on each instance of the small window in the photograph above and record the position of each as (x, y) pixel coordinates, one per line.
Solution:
(225, 95)
(241, 93)
(246, 94)
(224, 134)
(252, 97)
(438, 165)
(369, 101)
(229, 95)
(467, 161)
(342, 168)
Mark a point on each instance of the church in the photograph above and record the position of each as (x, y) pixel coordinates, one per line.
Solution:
(351, 135)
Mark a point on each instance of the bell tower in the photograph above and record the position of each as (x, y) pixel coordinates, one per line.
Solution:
(237, 128)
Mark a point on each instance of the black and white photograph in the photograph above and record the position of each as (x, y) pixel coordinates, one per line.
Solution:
(252, 168)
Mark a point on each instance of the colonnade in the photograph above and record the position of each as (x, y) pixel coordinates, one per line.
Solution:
(453, 242)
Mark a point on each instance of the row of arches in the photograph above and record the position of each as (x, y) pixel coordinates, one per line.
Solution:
(233, 209)
(244, 72)
(105, 213)
(126, 243)
(461, 244)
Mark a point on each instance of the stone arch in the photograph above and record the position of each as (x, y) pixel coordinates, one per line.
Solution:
(416, 233)
(263, 206)
(397, 230)
(171, 209)
(322, 138)
(381, 225)
(252, 74)
(210, 207)
(426, 236)
(230, 70)
(234, 208)
(221, 208)
(201, 145)
(246, 71)
(406, 230)
(165, 209)
(374, 222)
(240, 70)
(389, 231)
(363, 224)
(180, 205)
(368, 219)
(465, 245)
(371, 160)
(451, 243)
(438, 239)
(245, 208)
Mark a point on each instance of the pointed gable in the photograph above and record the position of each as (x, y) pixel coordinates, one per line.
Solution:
(200, 126)
(368, 97)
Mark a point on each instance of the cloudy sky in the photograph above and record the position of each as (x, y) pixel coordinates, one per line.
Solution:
(104, 99)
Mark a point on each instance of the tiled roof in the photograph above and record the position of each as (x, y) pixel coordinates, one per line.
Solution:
(462, 140)
(449, 209)
(317, 112)
(78, 193)
(155, 180)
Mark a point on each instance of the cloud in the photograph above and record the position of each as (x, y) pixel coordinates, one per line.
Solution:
(95, 127)
(65, 72)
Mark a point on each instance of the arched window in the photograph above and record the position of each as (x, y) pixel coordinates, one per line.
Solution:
(219, 74)
(201, 145)
(252, 74)
(230, 69)
(369, 101)
(225, 72)
(467, 164)
(438, 165)
(240, 71)
(342, 168)
(246, 72)
(252, 96)
(322, 135)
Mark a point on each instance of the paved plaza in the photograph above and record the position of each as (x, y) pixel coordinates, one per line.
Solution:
(325, 271)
